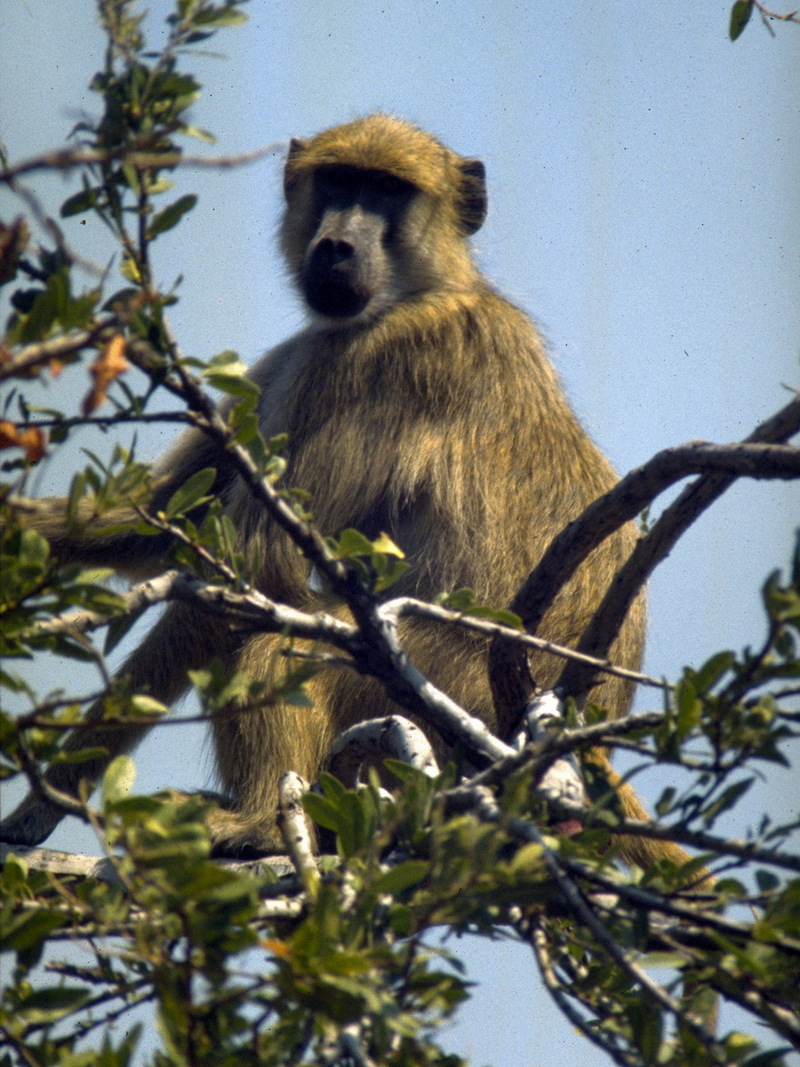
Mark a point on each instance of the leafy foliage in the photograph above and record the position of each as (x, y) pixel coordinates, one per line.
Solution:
(252, 964)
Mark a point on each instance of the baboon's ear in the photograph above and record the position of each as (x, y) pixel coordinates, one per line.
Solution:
(296, 146)
(472, 201)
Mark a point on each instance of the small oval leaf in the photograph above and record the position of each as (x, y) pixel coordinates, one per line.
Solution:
(191, 493)
(170, 216)
(118, 779)
(740, 16)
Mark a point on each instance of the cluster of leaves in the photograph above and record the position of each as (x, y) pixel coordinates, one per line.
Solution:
(247, 964)
(226, 989)
(230, 985)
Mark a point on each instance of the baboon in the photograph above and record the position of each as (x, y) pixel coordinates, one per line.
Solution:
(417, 401)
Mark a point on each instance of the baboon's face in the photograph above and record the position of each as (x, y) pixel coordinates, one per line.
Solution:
(358, 215)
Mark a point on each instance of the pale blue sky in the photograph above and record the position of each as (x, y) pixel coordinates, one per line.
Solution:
(643, 208)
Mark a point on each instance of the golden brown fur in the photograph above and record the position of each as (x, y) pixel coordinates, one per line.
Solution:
(430, 412)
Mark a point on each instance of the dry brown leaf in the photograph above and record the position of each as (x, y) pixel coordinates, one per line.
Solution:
(106, 368)
(30, 438)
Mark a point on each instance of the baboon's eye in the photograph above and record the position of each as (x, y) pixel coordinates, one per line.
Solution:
(335, 179)
(338, 180)
(390, 184)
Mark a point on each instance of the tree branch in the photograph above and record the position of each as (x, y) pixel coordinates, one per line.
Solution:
(69, 158)
(377, 739)
(57, 348)
(296, 830)
(721, 465)
(650, 550)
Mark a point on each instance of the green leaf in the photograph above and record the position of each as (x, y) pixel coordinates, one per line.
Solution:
(729, 798)
(78, 204)
(199, 134)
(228, 362)
(228, 373)
(688, 706)
(740, 16)
(465, 601)
(15, 872)
(352, 543)
(233, 385)
(528, 858)
(712, 670)
(227, 15)
(34, 551)
(83, 755)
(23, 932)
(170, 216)
(323, 812)
(401, 877)
(766, 881)
(386, 546)
(331, 786)
(646, 1026)
(130, 270)
(118, 779)
(148, 706)
(48, 1005)
(191, 494)
(117, 629)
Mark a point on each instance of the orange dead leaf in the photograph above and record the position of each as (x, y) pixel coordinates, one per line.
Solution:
(109, 365)
(277, 948)
(30, 439)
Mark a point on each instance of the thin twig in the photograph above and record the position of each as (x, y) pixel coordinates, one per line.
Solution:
(69, 158)
(571, 895)
(31, 357)
(537, 938)
(791, 16)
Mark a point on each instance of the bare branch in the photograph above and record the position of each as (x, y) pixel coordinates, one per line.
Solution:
(101, 868)
(379, 739)
(538, 940)
(64, 863)
(116, 418)
(791, 16)
(720, 846)
(562, 785)
(212, 422)
(141, 596)
(385, 659)
(611, 511)
(31, 357)
(280, 909)
(69, 158)
(421, 609)
(575, 680)
(352, 1049)
(296, 830)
